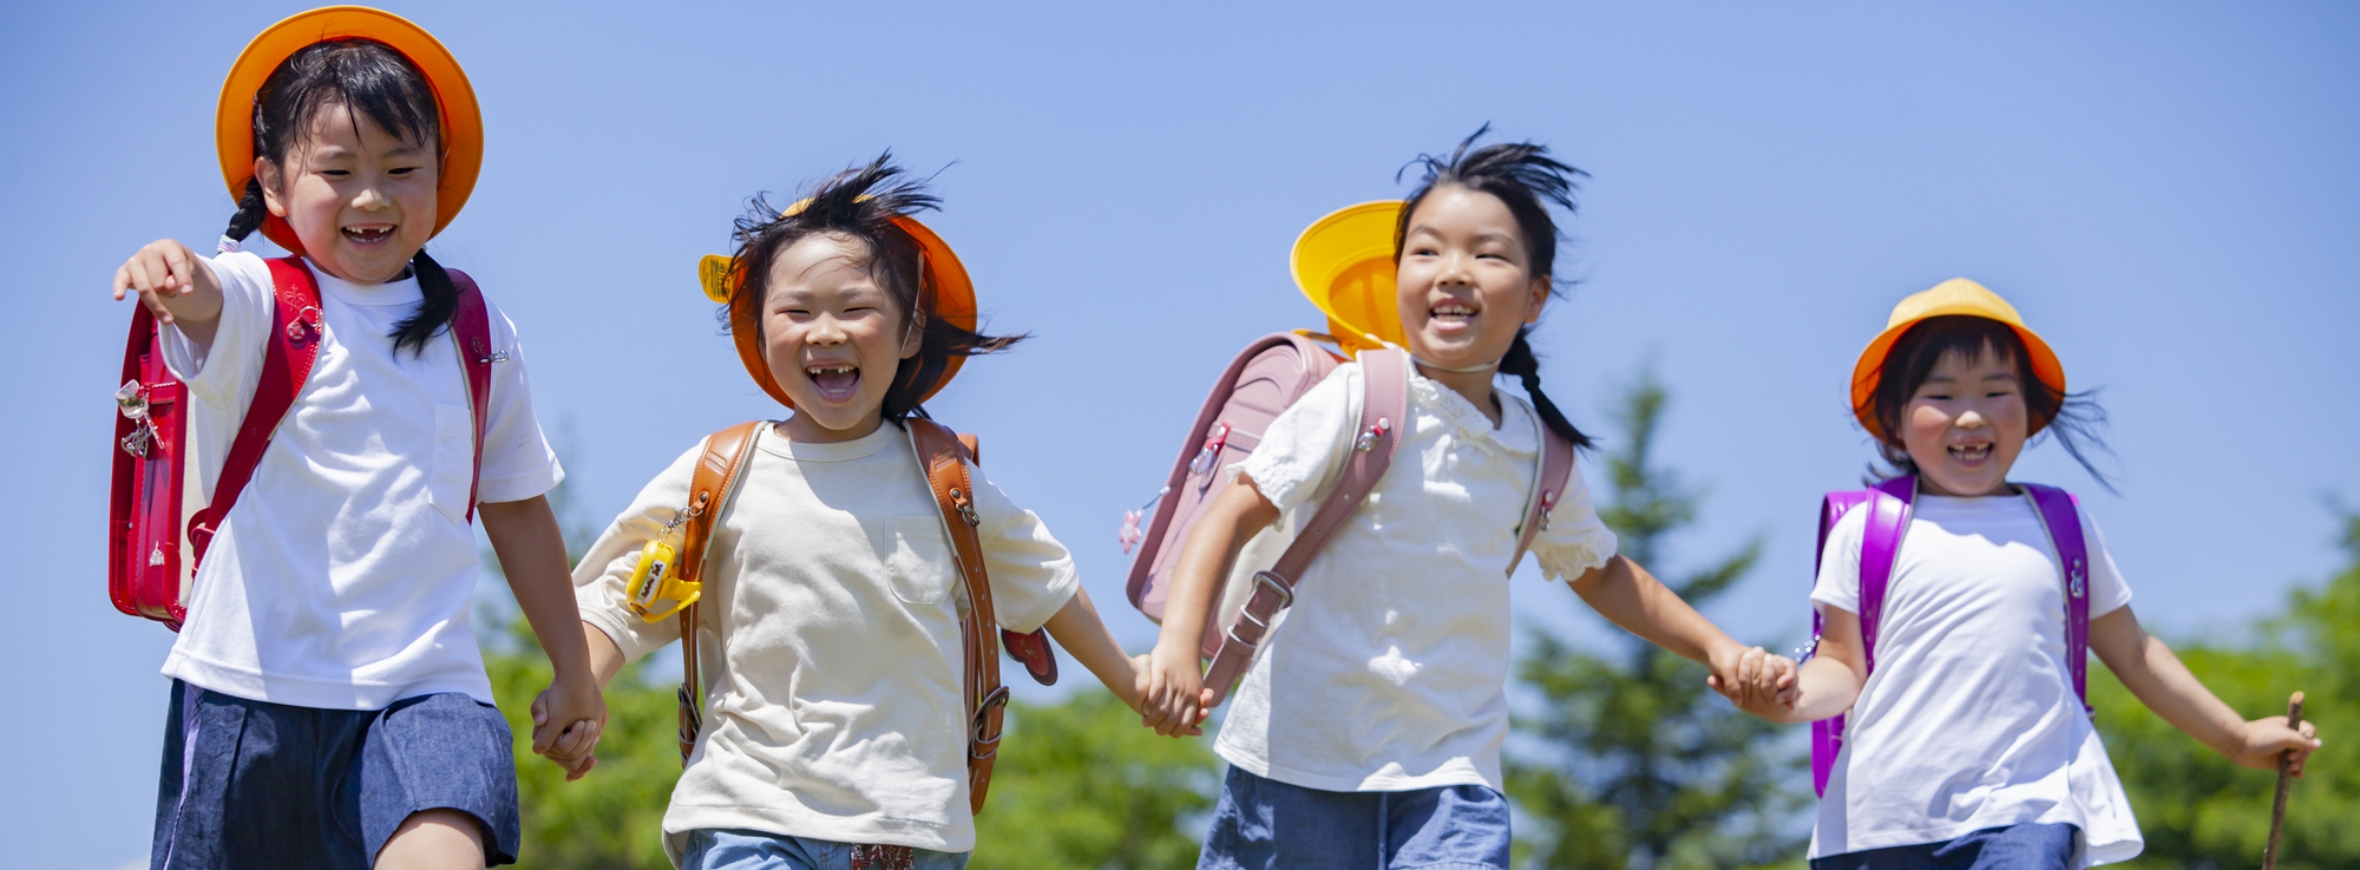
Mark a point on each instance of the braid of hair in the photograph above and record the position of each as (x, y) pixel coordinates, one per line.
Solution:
(251, 212)
(1526, 366)
(440, 303)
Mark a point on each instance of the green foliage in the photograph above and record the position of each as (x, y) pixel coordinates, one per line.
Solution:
(611, 819)
(2196, 809)
(1643, 766)
(1081, 786)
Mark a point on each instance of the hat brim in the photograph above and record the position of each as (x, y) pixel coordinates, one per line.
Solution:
(461, 119)
(1344, 263)
(954, 300)
(1868, 372)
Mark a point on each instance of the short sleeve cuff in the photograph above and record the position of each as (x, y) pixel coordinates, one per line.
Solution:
(518, 487)
(1060, 590)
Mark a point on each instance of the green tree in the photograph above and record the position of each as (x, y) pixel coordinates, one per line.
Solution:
(1639, 765)
(2197, 810)
(1081, 786)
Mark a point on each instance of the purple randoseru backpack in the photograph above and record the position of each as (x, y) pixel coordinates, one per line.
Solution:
(1889, 506)
(1264, 380)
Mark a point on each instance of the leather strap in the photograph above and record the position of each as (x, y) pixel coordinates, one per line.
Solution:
(944, 459)
(718, 471)
(2056, 511)
(471, 334)
(1384, 408)
(1556, 476)
(288, 353)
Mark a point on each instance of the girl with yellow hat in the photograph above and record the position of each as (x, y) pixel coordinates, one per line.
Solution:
(833, 734)
(1965, 744)
(1368, 728)
(330, 706)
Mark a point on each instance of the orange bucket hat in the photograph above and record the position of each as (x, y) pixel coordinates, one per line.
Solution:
(939, 269)
(461, 121)
(1955, 296)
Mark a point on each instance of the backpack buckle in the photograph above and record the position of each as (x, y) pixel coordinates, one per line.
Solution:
(1369, 437)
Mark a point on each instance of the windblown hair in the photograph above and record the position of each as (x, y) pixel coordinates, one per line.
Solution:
(2074, 418)
(1522, 176)
(369, 79)
(859, 205)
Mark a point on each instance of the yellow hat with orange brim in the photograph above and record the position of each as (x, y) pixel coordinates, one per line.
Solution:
(461, 121)
(1955, 296)
(1344, 263)
(954, 301)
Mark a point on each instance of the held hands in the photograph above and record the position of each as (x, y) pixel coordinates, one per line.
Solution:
(1757, 681)
(568, 718)
(2261, 742)
(1172, 695)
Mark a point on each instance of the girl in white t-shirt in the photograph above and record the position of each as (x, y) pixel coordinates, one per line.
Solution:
(835, 732)
(1966, 746)
(1367, 731)
(330, 707)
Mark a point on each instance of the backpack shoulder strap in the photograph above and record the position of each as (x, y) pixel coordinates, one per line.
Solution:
(718, 471)
(944, 460)
(1889, 508)
(1384, 407)
(471, 333)
(2057, 513)
(1556, 477)
(289, 350)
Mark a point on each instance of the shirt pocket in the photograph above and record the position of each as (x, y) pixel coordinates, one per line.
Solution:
(916, 558)
(453, 476)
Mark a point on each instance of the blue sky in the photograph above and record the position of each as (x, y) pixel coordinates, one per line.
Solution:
(2167, 191)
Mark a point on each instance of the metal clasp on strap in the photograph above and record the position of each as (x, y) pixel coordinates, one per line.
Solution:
(1548, 507)
(998, 698)
(1369, 437)
(486, 358)
(2077, 578)
(966, 507)
(305, 324)
(1286, 596)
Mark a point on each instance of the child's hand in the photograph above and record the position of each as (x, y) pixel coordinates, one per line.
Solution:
(1173, 699)
(164, 272)
(2263, 741)
(568, 719)
(1758, 682)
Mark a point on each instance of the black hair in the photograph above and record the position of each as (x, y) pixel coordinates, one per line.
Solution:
(859, 204)
(2074, 418)
(1522, 176)
(369, 79)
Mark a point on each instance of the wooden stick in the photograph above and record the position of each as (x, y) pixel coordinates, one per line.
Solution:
(2294, 720)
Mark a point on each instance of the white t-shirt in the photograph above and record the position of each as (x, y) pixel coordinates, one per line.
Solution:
(344, 576)
(830, 637)
(1389, 672)
(1970, 720)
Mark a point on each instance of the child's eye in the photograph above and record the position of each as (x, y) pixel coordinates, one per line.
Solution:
(335, 173)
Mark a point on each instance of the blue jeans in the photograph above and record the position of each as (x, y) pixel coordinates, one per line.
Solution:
(710, 849)
(252, 784)
(1263, 824)
(2017, 847)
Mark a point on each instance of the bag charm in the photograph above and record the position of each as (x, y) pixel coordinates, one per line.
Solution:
(654, 584)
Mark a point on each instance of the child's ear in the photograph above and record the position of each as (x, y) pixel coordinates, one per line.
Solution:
(913, 336)
(267, 173)
(1540, 299)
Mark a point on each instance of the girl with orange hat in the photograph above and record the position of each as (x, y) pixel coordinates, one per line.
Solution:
(1965, 745)
(834, 734)
(1368, 727)
(330, 706)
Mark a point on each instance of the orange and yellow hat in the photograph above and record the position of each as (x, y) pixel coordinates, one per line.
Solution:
(954, 301)
(1344, 263)
(462, 122)
(1955, 296)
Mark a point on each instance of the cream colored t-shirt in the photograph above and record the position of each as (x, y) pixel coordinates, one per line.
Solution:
(831, 640)
(1390, 671)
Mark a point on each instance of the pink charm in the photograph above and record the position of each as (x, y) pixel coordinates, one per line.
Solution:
(1130, 536)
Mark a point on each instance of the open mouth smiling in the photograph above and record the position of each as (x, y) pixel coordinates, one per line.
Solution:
(1970, 454)
(368, 235)
(836, 383)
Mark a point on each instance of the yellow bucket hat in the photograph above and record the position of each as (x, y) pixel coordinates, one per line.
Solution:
(1344, 263)
(462, 122)
(1955, 296)
(954, 301)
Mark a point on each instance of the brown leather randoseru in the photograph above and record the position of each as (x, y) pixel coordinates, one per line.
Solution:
(716, 478)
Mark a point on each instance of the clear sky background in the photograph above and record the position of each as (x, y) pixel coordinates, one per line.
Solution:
(2169, 192)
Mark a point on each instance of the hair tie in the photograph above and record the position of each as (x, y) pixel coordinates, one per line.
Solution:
(227, 245)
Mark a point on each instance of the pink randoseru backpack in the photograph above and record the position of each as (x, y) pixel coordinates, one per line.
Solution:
(1889, 505)
(1264, 380)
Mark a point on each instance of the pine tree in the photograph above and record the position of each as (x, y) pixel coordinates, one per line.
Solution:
(1632, 762)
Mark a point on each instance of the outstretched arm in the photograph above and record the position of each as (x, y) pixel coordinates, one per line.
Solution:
(176, 285)
(532, 553)
(2147, 667)
(1076, 627)
(1630, 597)
(1176, 699)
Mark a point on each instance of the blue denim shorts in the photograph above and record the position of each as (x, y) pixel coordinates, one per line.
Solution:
(1263, 824)
(754, 850)
(251, 784)
(2016, 847)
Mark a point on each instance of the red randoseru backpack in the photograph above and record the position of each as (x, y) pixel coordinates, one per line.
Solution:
(156, 532)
